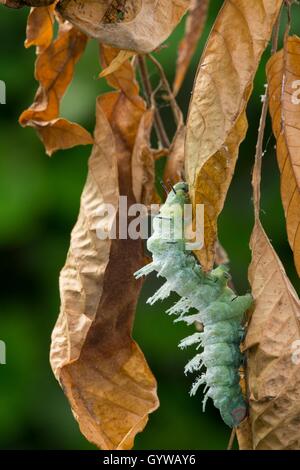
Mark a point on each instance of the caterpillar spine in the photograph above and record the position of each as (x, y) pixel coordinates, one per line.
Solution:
(218, 308)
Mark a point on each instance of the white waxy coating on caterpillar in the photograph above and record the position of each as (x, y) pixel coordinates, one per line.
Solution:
(218, 308)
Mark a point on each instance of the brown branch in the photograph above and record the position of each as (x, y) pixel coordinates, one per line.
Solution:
(26, 3)
(173, 103)
(158, 124)
(288, 5)
(256, 177)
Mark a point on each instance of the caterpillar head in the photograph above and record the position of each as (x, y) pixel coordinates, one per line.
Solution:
(179, 194)
(168, 225)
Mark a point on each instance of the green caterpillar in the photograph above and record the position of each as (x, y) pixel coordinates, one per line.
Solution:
(218, 308)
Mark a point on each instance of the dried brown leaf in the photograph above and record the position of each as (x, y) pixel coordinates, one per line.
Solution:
(54, 71)
(136, 25)
(193, 30)
(119, 60)
(273, 337)
(39, 30)
(123, 78)
(102, 370)
(273, 372)
(283, 70)
(82, 286)
(244, 436)
(217, 122)
(84, 12)
(59, 134)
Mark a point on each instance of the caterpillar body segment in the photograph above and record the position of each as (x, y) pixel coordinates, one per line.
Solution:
(217, 307)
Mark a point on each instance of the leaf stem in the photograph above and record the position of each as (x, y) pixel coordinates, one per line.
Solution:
(158, 123)
(256, 176)
(173, 103)
(288, 4)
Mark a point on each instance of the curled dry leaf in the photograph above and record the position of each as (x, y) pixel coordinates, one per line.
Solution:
(217, 121)
(39, 30)
(122, 57)
(102, 370)
(54, 71)
(123, 77)
(60, 134)
(193, 30)
(272, 342)
(283, 71)
(136, 25)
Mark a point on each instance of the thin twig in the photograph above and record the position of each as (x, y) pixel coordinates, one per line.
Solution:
(275, 35)
(173, 103)
(256, 177)
(288, 4)
(158, 124)
(231, 439)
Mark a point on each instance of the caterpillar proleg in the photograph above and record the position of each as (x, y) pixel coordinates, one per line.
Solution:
(217, 307)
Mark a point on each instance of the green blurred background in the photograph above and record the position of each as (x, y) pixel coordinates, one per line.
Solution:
(39, 201)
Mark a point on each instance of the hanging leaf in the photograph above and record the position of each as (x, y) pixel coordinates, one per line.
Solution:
(139, 26)
(124, 78)
(102, 370)
(59, 134)
(54, 71)
(193, 30)
(283, 71)
(217, 121)
(39, 30)
(271, 343)
(244, 435)
(273, 338)
(122, 57)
